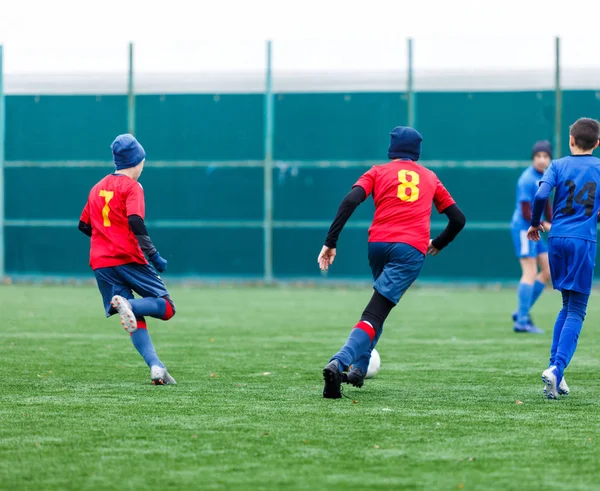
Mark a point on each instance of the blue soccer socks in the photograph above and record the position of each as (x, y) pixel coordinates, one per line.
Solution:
(159, 308)
(564, 342)
(538, 288)
(567, 343)
(527, 296)
(558, 327)
(363, 361)
(524, 296)
(357, 344)
(142, 342)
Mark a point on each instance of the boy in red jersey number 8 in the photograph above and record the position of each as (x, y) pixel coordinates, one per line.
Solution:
(114, 219)
(403, 191)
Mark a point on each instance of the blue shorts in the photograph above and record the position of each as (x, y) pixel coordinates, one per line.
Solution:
(525, 247)
(395, 267)
(572, 264)
(126, 279)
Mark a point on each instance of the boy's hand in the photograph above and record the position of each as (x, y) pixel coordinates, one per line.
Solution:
(432, 251)
(534, 232)
(547, 226)
(159, 263)
(326, 258)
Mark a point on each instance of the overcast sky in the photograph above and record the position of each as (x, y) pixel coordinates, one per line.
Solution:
(187, 35)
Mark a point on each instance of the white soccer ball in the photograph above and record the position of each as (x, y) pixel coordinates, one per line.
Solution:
(374, 364)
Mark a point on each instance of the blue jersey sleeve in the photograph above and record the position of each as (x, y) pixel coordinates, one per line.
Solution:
(526, 190)
(550, 175)
(547, 183)
(539, 202)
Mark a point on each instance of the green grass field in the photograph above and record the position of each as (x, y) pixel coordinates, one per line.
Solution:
(77, 409)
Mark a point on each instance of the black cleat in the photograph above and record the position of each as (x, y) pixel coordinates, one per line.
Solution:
(333, 381)
(515, 316)
(355, 377)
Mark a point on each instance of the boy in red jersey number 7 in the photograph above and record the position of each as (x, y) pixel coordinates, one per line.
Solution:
(114, 219)
(403, 191)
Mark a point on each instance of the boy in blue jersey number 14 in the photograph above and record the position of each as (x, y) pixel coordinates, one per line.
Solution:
(572, 242)
(531, 254)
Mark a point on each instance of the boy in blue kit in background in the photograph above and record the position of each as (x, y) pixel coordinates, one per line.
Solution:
(572, 243)
(531, 254)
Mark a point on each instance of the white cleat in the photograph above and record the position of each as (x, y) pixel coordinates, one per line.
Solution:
(551, 383)
(169, 380)
(563, 388)
(160, 376)
(123, 307)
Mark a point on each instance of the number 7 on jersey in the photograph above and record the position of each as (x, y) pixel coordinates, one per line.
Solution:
(107, 195)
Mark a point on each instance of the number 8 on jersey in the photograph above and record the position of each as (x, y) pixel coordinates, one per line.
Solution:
(408, 189)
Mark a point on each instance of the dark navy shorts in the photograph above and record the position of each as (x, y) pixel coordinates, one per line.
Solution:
(126, 279)
(395, 267)
(572, 264)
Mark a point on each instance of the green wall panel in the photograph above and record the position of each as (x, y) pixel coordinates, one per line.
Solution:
(48, 193)
(201, 126)
(187, 193)
(296, 251)
(475, 255)
(47, 250)
(62, 250)
(54, 127)
(483, 194)
(456, 127)
(204, 193)
(353, 126)
(578, 104)
(464, 258)
(483, 125)
(316, 193)
(336, 126)
(211, 251)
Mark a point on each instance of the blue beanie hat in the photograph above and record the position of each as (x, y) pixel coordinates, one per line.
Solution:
(405, 143)
(542, 146)
(127, 152)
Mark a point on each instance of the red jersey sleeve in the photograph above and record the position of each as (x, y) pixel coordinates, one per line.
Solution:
(134, 203)
(367, 180)
(85, 214)
(442, 198)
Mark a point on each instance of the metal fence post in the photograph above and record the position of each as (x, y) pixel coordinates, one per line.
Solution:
(268, 171)
(557, 102)
(130, 95)
(410, 88)
(2, 139)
